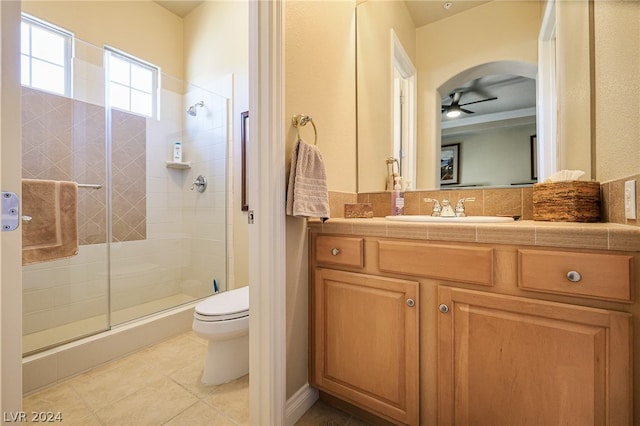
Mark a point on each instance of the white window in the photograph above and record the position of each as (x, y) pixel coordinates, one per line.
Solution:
(46, 52)
(132, 83)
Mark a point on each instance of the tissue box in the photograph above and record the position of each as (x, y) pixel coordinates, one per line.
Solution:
(573, 201)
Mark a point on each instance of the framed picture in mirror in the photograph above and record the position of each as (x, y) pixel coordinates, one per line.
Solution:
(244, 137)
(534, 157)
(450, 164)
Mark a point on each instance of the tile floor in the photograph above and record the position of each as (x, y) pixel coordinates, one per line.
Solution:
(160, 385)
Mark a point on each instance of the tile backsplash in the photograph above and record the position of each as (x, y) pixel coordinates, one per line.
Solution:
(489, 202)
(612, 194)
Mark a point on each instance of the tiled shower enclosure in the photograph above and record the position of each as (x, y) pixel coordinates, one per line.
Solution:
(148, 242)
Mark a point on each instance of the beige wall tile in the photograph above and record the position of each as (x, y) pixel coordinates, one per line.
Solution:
(506, 235)
(623, 239)
(337, 200)
(503, 202)
(457, 232)
(570, 236)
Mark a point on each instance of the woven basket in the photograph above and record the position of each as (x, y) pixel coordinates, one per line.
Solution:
(573, 201)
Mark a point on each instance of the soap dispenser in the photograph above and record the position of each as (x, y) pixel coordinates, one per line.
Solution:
(397, 198)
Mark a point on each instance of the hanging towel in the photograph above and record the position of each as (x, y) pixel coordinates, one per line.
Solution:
(50, 228)
(307, 193)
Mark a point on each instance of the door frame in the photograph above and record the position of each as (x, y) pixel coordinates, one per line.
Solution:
(10, 242)
(267, 255)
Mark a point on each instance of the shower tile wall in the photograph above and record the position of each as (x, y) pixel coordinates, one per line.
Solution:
(178, 245)
(205, 213)
(64, 139)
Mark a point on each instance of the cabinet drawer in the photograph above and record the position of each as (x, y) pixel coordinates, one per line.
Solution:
(452, 263)
(601, 276)
(345, 251)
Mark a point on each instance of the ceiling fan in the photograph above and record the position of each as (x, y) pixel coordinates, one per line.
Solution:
(455, 108)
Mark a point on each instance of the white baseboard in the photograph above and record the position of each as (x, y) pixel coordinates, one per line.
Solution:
(299, 403)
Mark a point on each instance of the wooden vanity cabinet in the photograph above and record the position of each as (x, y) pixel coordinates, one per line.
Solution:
(507, 335)
(365, 336)
(505, 360)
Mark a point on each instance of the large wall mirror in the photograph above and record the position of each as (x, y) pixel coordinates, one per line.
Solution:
(480, 57)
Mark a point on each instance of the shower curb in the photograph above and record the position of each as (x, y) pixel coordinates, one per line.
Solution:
(58, 364)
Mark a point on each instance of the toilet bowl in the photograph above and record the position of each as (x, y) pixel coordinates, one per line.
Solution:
(223, 320)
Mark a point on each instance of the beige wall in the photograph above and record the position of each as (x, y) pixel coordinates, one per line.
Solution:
(376, 19)
(319, 81)
(140, 28)
(617, 85)
(216, 46)
(509, 27)
(573, 75)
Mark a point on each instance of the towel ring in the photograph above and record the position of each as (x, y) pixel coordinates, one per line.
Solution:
(302, 120)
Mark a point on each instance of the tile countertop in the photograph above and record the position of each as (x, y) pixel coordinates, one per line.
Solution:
(595, 236)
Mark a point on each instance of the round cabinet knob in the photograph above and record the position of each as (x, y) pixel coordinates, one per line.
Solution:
(443, 308)
(411, 303)
(335, 251)
(574, 276)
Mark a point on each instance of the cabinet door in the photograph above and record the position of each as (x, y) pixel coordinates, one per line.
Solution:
(506, 360)
(366, 342)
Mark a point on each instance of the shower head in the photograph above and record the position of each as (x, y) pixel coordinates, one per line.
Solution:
(192, 109)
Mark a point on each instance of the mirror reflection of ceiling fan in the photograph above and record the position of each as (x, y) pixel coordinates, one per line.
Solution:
(455, 108)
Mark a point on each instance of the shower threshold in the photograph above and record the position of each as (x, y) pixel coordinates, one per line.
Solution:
(46, 339)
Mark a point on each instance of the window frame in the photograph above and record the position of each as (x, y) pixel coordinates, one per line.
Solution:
(69, 47)
(110, 52)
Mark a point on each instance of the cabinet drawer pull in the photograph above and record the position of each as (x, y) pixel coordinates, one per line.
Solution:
(411, 303)
(443, 308)
(574, 276)
(335, 251)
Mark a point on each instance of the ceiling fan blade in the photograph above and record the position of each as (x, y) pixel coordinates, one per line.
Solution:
(466, 111)
(481, 100)
(455, 97)
(478, 88)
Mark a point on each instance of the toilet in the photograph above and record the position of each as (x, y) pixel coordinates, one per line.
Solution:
(223, 320)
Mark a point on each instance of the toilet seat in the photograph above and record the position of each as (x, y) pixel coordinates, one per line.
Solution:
(224, 306)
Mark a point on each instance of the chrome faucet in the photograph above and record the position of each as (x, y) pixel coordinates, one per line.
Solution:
(445, 209)
(436, 206)
(460, 206)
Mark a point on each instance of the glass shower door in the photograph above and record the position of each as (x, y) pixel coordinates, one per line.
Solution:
(63, 139)
(169, 239)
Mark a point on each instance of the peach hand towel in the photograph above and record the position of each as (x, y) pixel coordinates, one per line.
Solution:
(52, 231)
(307, 193)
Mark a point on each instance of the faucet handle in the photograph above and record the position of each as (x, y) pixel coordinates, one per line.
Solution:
(460, 206)
(436, 206)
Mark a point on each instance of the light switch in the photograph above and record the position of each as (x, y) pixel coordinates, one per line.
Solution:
(630, 199)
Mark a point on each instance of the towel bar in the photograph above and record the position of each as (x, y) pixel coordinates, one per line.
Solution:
(90, 185)
(302, 120)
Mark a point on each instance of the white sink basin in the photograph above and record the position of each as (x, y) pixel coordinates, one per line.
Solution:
(465, 219)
